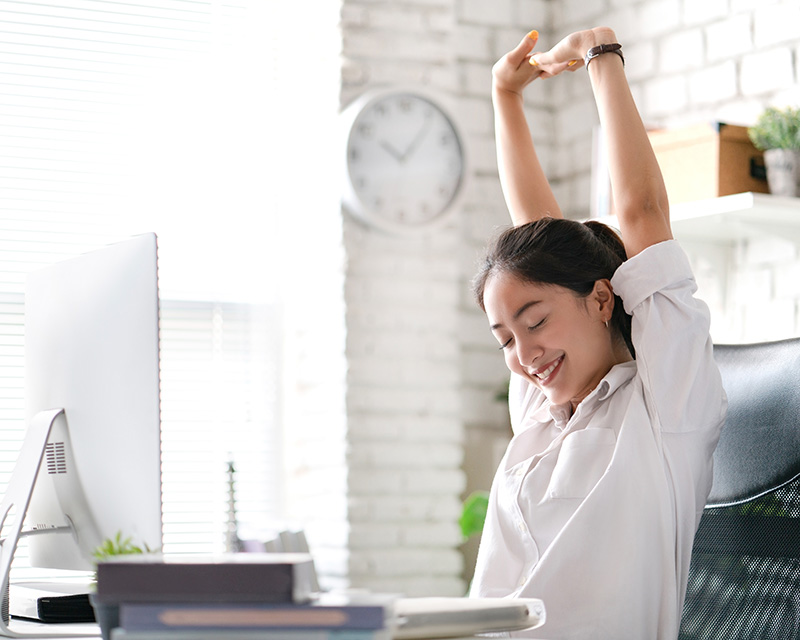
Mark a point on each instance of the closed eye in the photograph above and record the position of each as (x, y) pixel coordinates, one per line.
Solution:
(506, 343)
(537, 325)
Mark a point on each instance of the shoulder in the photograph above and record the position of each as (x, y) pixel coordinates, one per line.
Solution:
(660, 267)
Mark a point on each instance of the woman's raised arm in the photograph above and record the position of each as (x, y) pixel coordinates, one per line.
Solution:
(527, 192)
(640, 197)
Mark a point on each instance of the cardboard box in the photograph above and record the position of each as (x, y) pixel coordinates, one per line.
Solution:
(707, 161)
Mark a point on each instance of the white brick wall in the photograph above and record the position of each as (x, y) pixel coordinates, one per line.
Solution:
(696, 13)
(713, 84)
(421, 365)
(401, 417)
(729, 37)
(767, 71)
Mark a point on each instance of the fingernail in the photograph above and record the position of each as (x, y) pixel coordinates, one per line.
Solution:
(533, 62)
(533, 35)
(572, 63)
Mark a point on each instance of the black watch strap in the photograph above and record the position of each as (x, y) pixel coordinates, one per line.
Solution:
(599, 50)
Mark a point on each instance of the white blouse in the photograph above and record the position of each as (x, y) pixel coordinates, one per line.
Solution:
(595, 513)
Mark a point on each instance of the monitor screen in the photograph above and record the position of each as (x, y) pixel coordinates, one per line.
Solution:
(91, 348)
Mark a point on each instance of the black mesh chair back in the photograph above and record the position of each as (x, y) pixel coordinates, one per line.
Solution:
(744, 578)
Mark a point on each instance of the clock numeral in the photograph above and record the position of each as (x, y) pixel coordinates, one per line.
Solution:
(366, 131)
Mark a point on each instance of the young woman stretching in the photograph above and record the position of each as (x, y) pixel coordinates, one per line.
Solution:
(616, 402)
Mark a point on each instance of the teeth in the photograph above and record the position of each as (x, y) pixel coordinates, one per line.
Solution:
(543, 375)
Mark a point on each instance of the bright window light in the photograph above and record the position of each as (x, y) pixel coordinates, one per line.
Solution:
(204, 121)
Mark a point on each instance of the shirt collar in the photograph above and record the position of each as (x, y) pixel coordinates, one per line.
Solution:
(613, 380)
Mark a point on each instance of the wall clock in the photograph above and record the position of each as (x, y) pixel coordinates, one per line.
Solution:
(405, 162)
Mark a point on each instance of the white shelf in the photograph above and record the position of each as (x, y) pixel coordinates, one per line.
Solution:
(732, 218)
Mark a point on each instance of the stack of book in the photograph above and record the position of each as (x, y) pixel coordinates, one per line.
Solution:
(231, 597)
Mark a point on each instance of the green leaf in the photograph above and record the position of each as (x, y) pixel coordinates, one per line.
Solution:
(118, 546)
(776, 129)
(473, 514)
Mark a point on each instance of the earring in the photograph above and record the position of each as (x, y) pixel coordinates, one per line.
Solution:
(606, 323)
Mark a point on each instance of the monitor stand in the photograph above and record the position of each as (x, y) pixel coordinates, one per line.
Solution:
(17, 499)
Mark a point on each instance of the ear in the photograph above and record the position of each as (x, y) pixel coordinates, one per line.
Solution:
(602, 298)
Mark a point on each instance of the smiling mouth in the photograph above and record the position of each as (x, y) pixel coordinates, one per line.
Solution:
(544, 374)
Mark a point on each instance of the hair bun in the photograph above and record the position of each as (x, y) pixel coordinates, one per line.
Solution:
(608, 236)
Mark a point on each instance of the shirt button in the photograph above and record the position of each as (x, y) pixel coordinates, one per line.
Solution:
(521, 526)
(522, 581)
(520, 471)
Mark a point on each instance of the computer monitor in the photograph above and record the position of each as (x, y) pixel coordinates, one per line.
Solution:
(91, 350)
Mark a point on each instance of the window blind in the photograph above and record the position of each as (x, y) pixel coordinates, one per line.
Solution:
(106, 130)
(220, 373)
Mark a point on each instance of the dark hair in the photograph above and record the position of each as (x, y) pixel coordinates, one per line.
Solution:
(561, 252)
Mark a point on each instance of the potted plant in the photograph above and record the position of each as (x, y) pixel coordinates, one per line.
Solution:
(107, 613)
(777, 134)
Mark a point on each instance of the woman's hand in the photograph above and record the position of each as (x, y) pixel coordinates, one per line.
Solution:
(521, 66)
(568, 54)
(513, 72)
(525, 187)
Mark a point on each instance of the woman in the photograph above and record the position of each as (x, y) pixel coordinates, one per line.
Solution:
(616, 402)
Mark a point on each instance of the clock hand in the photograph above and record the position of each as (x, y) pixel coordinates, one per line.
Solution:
(392, 151)
(418, 138)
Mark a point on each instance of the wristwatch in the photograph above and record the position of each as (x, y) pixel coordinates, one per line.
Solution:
(599, 50)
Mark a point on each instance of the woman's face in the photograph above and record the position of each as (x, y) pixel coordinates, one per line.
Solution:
(551, 336)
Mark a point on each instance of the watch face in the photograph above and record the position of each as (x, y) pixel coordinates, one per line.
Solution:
(404, 160)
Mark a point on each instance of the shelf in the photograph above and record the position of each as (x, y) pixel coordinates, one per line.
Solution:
(727, 219)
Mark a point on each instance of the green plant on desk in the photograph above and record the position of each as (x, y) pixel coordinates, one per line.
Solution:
(107, 614)
(118, 546)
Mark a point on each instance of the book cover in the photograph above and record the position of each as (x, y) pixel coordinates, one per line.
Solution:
(235, 577)
(184, 616)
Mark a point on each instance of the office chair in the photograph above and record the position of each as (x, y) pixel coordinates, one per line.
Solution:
(744, 578)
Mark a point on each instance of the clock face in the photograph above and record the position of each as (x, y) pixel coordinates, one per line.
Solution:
(405, 161)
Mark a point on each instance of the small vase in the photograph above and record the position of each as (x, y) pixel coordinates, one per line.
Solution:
(783, 171)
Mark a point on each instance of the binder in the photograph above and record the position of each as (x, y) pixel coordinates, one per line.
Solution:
(51, 602)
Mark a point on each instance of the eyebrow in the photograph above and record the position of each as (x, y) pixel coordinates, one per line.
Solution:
(518, 313)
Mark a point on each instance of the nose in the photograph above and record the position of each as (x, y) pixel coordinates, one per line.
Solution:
(527, 353)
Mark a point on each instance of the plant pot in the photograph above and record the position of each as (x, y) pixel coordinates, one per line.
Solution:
(106, 614)
(783, 171)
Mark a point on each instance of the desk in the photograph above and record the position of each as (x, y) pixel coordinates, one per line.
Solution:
(74, 631)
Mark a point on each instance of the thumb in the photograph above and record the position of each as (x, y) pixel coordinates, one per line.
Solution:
(553, 61)
(518, 55)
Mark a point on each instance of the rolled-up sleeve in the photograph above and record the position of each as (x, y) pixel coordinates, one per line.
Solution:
(670, 332)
